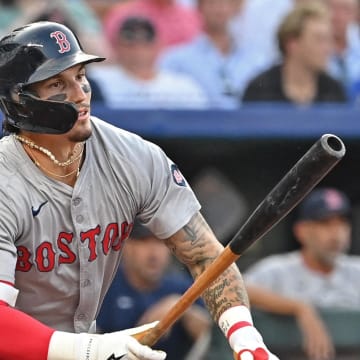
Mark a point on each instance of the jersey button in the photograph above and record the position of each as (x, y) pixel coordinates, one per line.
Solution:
(76, 201)
(81, 317)
(79, 219)
(86, 283)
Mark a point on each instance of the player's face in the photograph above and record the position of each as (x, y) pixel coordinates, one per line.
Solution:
(70, 85)
(324, 240)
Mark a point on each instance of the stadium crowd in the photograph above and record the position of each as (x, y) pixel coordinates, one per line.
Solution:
(211, 53)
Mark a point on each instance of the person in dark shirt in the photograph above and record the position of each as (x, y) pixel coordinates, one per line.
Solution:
(145, 289)
(304, 38)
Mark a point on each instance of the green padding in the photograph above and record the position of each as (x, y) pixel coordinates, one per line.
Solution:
(282, 331)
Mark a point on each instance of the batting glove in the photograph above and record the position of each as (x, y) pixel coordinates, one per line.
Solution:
(243, 338)
(110, 346)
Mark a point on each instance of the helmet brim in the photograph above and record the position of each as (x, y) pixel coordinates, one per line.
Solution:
(53, 67)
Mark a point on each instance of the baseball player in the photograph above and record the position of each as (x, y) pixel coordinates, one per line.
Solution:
(71, 186)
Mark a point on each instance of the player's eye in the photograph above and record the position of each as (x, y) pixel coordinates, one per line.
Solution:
(81, 76)
(55, 84)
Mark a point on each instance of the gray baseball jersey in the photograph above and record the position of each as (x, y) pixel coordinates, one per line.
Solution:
(287, 274)
(61, 245)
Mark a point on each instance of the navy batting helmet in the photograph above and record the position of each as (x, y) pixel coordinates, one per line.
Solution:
(30, 54)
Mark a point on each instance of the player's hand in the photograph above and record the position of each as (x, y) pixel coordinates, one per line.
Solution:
(130, 346)
(248, 344)
(109, 346)
(136, 351)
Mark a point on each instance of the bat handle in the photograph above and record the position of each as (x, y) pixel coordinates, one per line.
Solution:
(145, 337)
(141, 335)
(222, 262)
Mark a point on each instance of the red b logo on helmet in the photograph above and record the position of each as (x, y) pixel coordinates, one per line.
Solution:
(62, 41)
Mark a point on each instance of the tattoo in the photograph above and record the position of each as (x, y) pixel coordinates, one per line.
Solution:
(191, 234)
(196, 246)
(190, 243)
(227, 291)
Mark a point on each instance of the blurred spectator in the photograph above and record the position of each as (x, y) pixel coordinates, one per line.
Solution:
(176, 23)
(213, 59)
(305, 41)
(255, 27)
(77, 15)
(144, 290)
(344, 64)
(318, 275)
(102, 7)
(190, 3)
(135, 82)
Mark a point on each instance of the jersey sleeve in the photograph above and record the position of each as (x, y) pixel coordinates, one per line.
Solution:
(155, 190)
(168, 202)
(9, 231)
(22, 337)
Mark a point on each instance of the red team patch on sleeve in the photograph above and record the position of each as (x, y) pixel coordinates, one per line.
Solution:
(177, 176)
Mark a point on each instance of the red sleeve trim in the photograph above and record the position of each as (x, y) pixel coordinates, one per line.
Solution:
(22, 337)
(237, 326)
(7, 283)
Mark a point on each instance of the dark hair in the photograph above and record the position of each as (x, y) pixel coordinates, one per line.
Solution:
(137, 27)
(8, 129)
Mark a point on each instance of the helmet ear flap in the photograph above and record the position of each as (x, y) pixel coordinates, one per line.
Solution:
(40, 116)
(18, 63)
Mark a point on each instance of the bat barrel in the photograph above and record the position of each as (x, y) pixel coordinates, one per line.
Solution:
(295, 185)
(333, 145)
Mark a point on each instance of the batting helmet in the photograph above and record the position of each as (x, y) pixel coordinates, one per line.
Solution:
(30, 54)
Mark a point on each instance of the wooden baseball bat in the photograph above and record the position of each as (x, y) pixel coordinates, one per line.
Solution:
(294, 186)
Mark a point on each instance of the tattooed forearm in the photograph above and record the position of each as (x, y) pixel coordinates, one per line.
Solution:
(227, 291)
(197, 247)
(191, 244)
(191, 234)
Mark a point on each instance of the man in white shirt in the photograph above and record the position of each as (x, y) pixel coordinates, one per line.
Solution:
(134, 81)
(319, 275)
(221, 65)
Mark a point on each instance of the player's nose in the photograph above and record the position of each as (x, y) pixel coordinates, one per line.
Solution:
(78, 93)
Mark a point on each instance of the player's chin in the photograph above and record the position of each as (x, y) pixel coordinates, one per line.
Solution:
(81, 131)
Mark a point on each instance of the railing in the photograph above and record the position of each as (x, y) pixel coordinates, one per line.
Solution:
(282, 335)
(251, 122)
(255, 122)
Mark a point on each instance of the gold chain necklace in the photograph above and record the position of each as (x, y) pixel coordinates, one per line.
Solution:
(73, 157)
(77, 170)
